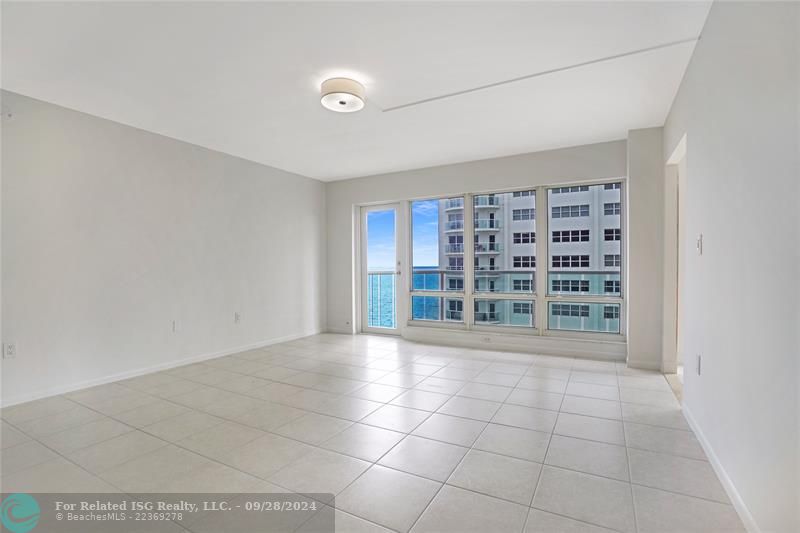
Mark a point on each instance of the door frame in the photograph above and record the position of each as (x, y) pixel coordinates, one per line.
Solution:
(400, 307)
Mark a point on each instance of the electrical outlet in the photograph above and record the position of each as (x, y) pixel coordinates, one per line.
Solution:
(9, 351)
(699, 244)
(699, 364)
(174, 326)
(487, 339)
(237, 317)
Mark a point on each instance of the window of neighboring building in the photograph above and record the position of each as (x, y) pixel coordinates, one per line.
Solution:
(524, 261)
(524, 237)
(570, 211)
(612, 260)
(523, 214)
(611, 208)
(612, 234)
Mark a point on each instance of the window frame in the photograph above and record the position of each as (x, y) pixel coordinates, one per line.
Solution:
(540, 297)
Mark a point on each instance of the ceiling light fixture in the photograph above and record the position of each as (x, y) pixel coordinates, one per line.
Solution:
(342, 95)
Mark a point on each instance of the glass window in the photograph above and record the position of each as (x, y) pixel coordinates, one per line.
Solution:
(437, 230)
(505, 243)
(437, 308)
(580, 265)
(498, 312)
(596, 317)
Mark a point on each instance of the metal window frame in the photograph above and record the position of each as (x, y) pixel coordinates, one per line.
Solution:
(540, 296)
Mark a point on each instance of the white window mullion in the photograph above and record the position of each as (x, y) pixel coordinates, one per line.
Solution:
(469, 261)
(542, 232)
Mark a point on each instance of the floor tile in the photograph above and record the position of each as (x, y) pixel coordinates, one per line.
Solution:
(470, 408)
(320, 471)
(526, 417)
(596, 500)
(456, 510)
(313, 428)
(388, 497)
(648, 397)
(496, 378)
(535, 398)
(543, 384)
(151, 413)
(56, 475)
(451, 429)
(461, 374)
(665, 440)
(543, 522)
(592, 457)
(378, 393)
(424, 457)
(676, 474)
(269, 416)
(203, 396)
(669, 417)
(274, 392)
(364, 442)
(343, 523)
(515, 442)
(24, 412)
(497, 475)
(658, 511)
(179, 427)
(594, 378)
(148, 472)
(441, 385)
(349, 408)
(484, 391)
(591, 428)
(420, 399)
(10, 436)
(396, 418)
(398, 379)
(308, 399)
(656, 382)
(589, 390)
(24, 455)
(217, 440)
(548, 373)
(266, 455)
(114, 452)
(85, 435)
(54, 423)
(580, 405)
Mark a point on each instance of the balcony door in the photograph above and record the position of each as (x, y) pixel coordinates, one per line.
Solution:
(381, 229)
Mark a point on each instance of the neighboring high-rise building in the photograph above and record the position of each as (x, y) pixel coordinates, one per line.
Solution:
(584, 256)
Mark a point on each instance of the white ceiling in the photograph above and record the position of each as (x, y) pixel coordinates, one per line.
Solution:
(243, 78)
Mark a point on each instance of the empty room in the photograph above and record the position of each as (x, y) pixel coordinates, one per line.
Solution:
(443, 267)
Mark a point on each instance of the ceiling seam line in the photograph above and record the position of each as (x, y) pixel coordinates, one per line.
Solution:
(539, 74)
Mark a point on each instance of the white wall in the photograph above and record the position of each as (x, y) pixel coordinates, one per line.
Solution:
(567, 165)
(738, 108)
(110, 233)
(645, 248)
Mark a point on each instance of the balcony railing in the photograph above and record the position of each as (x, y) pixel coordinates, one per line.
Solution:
(381, 299)
(486, 201)
(454, 248)
(486, 224)
(454, 315)
(454, 225)
(487, 316)
(454, 203)
(487, 247)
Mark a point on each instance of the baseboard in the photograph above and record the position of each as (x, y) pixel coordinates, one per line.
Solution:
(343, 331)
(148, 370)
(645, 364)
(736, 499)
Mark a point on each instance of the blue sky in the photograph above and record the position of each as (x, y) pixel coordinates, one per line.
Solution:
(380, 236)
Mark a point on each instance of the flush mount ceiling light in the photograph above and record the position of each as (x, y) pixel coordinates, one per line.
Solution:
(342, 95)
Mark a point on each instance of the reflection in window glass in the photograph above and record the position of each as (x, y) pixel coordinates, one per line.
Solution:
(585, 245)
(582, 316)
(497, 312)
(505, 242)
(437, 228)
(436, 308)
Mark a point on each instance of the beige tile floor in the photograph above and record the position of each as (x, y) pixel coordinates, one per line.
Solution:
(409, 437)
